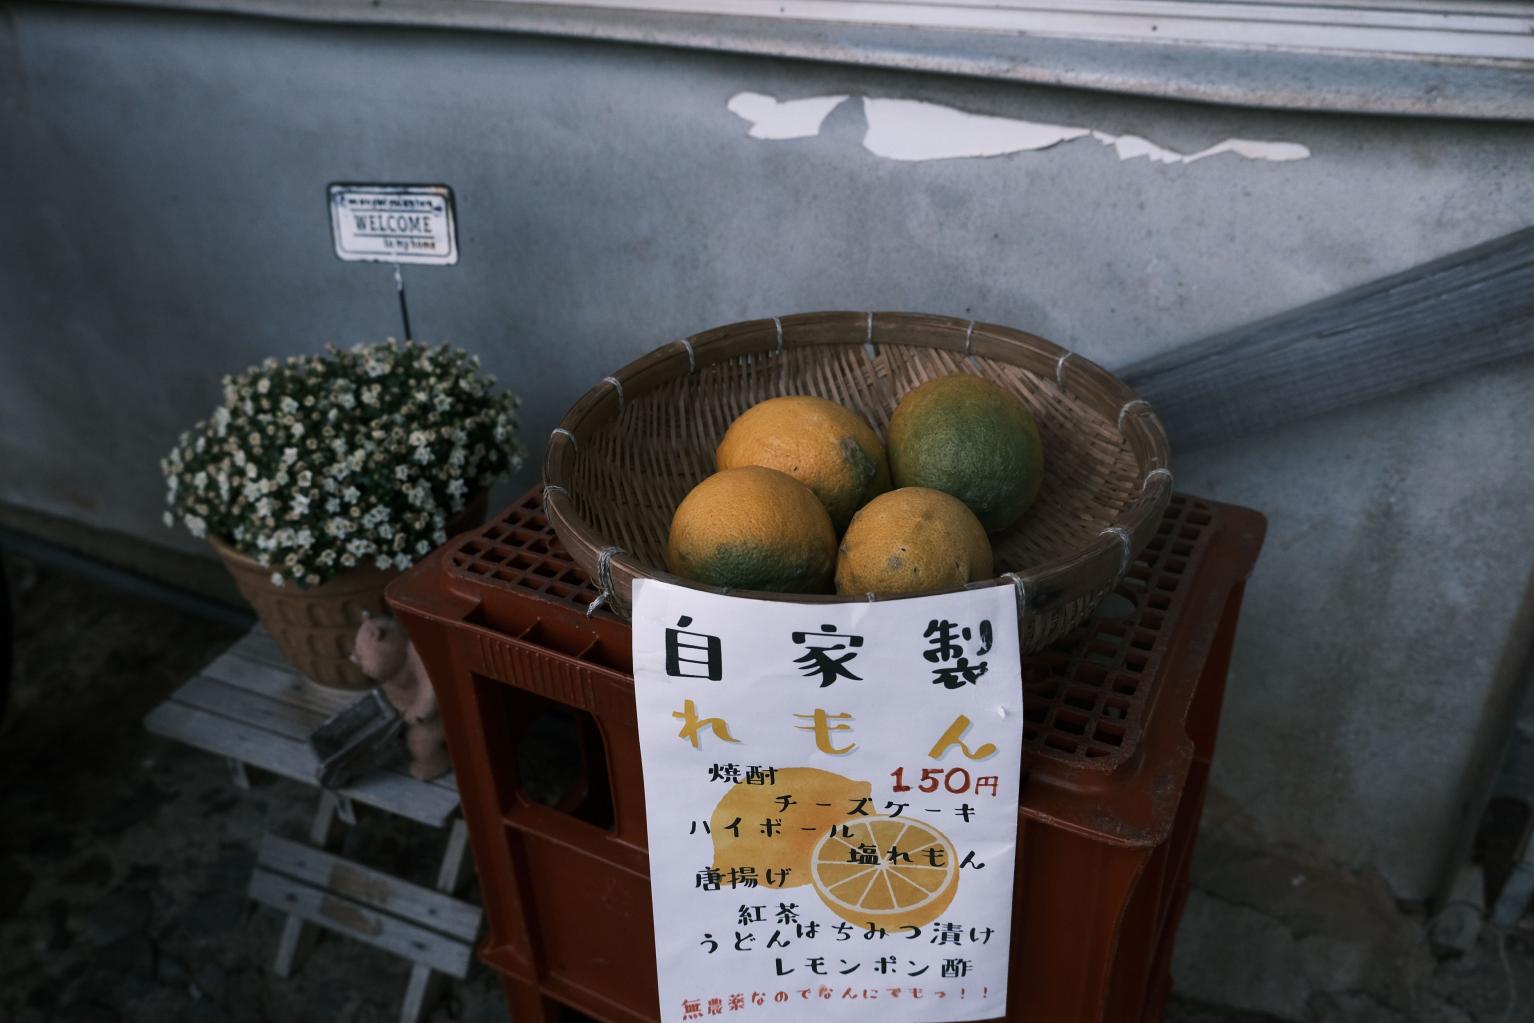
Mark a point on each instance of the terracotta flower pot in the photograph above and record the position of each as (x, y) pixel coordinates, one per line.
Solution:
(315, 627)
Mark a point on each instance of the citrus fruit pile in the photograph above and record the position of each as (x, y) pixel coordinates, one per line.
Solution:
(802, 501)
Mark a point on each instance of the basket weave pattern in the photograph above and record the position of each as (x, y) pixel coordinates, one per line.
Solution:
(314, 627)
(627, 453)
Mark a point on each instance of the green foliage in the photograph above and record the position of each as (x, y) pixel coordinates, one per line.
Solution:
(356, 456)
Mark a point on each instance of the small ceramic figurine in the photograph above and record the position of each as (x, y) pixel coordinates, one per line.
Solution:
(383, 652)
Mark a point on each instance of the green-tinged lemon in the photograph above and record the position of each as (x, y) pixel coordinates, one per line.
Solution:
(753, 528)
(970, 438)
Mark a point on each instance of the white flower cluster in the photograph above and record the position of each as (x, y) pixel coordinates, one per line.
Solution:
(357, 456)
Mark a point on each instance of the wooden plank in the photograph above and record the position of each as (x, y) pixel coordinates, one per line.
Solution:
(282, 683)
(1468, 309)
(259, 645)
(297, 934)
(278, 683)
(397, 793)
(355, 920)
(289, 720)
(371, 888)
(286, 719)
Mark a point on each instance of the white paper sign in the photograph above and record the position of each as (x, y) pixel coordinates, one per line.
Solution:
(832, 796)
(394, 224)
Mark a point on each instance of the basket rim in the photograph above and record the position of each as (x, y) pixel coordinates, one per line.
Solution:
(1105, 560)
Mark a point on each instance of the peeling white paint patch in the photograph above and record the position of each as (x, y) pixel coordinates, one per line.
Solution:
(913, 130)
(789, 119)
(905, 129)
(1129, 147)
(1256, 149)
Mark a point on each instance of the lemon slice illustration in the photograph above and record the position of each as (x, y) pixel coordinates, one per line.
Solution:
(912, 880)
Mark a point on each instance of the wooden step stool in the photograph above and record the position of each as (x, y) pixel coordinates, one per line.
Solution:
(255, 710)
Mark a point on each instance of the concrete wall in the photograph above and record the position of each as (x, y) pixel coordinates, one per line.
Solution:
(165, 224)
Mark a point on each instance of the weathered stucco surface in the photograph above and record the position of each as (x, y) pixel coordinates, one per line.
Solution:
(166, 175)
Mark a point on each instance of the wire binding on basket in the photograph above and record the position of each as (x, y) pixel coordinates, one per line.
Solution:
(872, 596)
(1060, 370)
(604, 576)
(778, 324)
(868, 338)
(692, 362)
(617, 386)
(548, 489)
(969, 339)
(1128, 405)
(559, 431)
(1124, 542)
(1159, 471)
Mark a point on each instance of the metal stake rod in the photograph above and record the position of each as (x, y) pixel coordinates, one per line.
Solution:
(404, 310)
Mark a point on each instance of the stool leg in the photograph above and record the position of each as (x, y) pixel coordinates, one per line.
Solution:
(421, 994)
(297, 935)
(450, 876)
(425, 985)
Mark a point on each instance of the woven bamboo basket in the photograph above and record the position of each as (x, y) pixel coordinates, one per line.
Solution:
(632, 447)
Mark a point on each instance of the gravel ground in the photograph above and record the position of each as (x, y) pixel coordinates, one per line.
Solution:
(126, 856)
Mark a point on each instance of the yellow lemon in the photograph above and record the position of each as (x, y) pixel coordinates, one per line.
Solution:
(912, 540)
(827, 447)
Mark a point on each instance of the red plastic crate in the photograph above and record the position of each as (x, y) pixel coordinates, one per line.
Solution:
(1120, 724)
